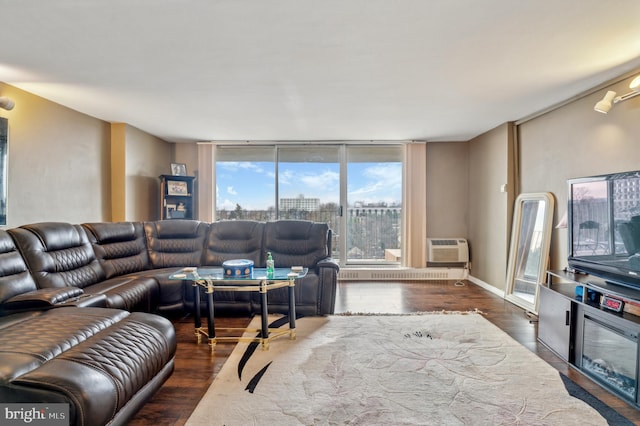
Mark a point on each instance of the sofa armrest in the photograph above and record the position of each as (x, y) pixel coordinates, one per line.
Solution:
(41, 299)
(328, 274)
(329, 262)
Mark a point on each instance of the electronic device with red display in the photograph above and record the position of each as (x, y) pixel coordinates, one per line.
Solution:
(611, 303)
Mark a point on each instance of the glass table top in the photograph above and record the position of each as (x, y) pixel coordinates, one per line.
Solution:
(217, 273)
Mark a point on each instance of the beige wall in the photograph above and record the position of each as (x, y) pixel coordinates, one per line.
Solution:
(575, 141)
(187, 153)
(58, 162)
(447, 189)
(491, 165)
(147, 157)
(60, 165)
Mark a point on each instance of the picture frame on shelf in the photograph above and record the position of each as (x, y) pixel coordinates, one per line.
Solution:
(177, 187)
(178, 169)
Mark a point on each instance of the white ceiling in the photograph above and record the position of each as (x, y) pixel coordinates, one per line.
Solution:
(197, 70)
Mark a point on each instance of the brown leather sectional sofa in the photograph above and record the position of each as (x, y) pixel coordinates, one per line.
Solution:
(82, 306)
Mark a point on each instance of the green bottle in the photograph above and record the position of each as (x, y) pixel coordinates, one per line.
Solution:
(269, 265)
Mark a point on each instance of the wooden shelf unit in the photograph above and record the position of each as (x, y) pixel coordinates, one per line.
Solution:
(177, 197)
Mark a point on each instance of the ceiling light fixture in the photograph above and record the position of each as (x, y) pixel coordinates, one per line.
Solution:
(611, 99)
(6, 103)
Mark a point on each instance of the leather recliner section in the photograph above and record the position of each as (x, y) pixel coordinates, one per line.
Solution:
(60, 255)
(97, 360)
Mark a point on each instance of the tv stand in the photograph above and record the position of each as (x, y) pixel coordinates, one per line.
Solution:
(598, 341)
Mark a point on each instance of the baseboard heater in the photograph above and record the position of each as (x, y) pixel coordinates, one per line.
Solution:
(402, 274)
(447, 252)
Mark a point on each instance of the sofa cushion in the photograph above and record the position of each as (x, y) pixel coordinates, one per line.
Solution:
(58, 254)
(169, 291)
(296, 242)
(120, 247)
(175, 242)
(14, 276)
(28, 340)
(130, 292)
(97, 360)
(234, 239)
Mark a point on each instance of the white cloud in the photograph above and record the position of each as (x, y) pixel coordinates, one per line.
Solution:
(235, 166)
(226, 205)
(286, 177)
(391, 173)
(304, 181)
(231, 191)
(323, 180)
(383, 184)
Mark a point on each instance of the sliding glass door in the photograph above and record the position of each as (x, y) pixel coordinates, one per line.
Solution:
(374, 204)
(356, 189)
(308, 180)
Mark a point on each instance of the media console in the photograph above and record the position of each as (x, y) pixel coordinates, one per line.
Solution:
(594, 326)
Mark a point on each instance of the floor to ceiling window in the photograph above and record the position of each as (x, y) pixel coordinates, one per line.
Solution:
(374, 204)
(245, 183)
(356, 189)
(309, 186)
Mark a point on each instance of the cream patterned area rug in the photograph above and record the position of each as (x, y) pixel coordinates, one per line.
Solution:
(428, 369)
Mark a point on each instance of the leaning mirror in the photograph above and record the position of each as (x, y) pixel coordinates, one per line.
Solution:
(529, 250)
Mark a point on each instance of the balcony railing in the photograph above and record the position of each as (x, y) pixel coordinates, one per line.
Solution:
(370, 230)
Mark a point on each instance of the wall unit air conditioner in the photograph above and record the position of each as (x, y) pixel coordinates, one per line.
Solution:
(447, 252)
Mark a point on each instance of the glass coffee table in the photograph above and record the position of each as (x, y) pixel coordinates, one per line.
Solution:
(213, 279)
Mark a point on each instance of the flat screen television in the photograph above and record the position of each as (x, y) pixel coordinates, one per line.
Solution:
(604, 227)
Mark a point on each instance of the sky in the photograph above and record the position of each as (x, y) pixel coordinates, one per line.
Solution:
(252, 184)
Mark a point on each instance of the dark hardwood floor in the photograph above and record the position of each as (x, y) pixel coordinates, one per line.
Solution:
(196, 366)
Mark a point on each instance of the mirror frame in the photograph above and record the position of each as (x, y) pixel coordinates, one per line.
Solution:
(4, 146)
(516, 236)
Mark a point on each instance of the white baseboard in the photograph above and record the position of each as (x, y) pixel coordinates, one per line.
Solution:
(486, 286)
